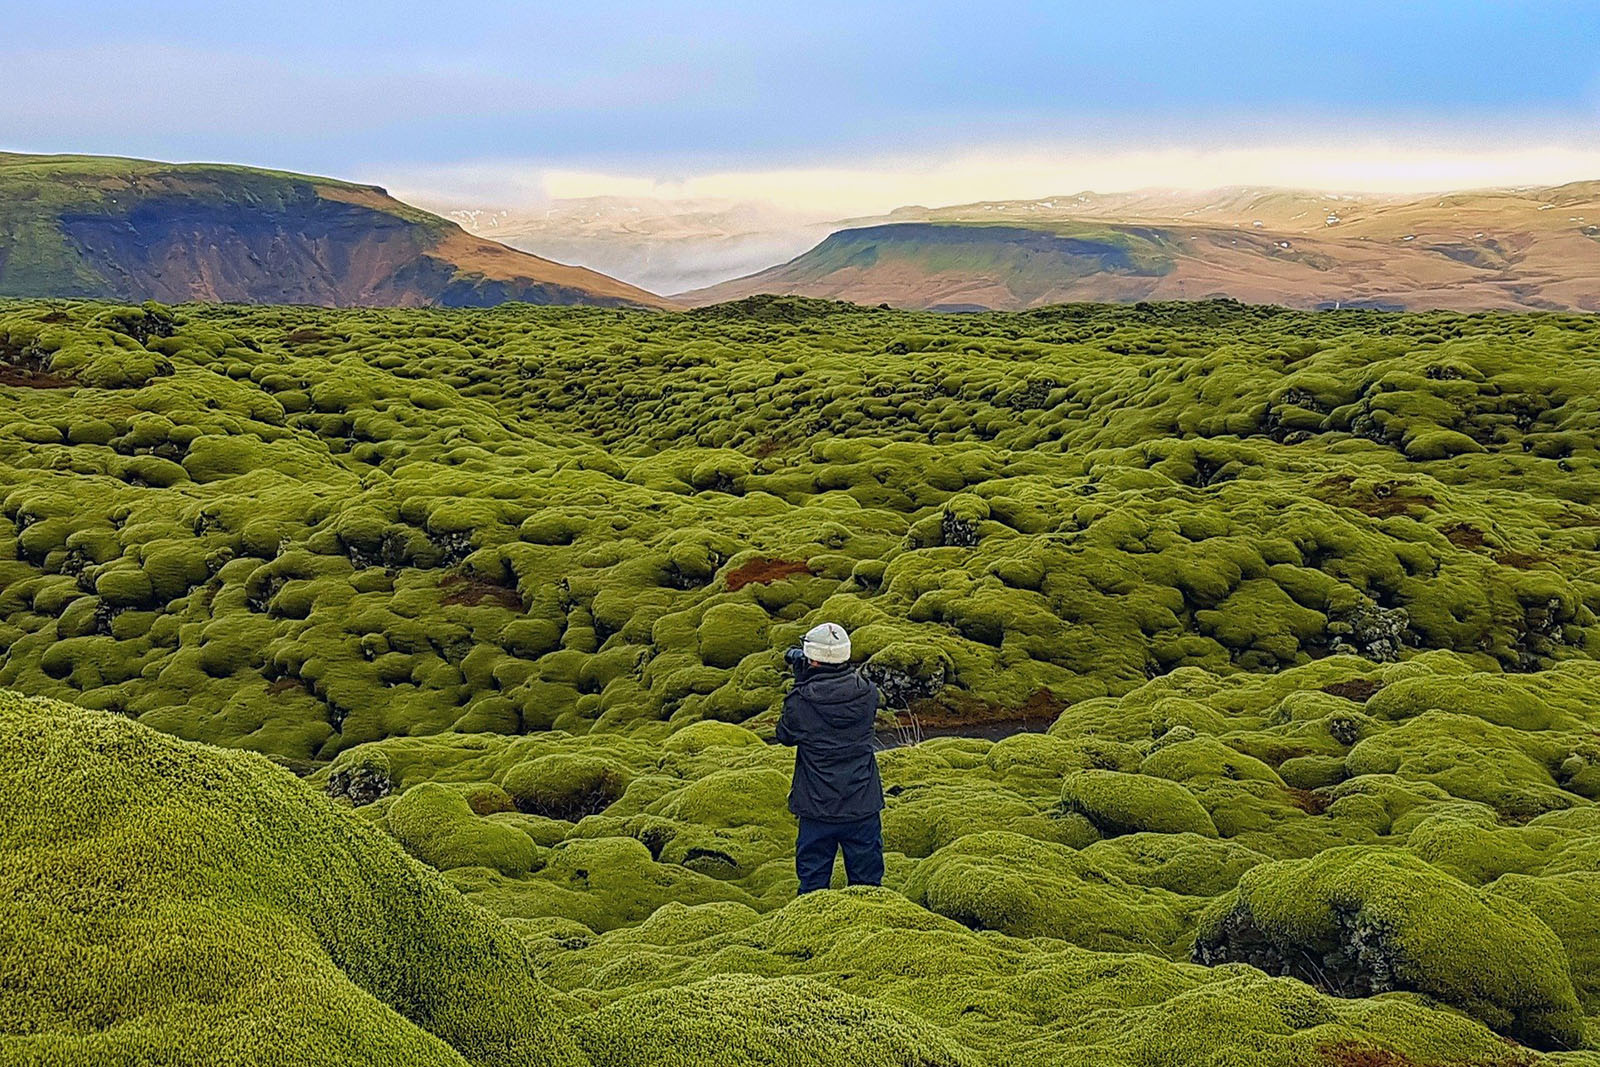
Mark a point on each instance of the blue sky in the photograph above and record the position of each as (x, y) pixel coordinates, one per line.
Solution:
(669, 92)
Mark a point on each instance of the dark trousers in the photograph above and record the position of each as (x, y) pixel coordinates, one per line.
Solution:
(819, 842)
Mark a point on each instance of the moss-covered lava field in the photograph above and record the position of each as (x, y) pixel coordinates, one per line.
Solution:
(1241, 671)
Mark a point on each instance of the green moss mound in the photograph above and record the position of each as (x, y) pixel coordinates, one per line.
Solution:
(562, 786)
(1162, 600)
(299, 530)
(439, 826)
(1119, 803)
(1368, 922)
(213, 909)
(792, 1022)
(928, 990)
(1028, 888)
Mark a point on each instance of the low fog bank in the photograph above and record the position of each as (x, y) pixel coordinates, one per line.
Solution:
(665, 246)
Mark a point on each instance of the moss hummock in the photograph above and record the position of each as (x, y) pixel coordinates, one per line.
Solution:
(213, 908)
(1241, 653)
(1361, 922)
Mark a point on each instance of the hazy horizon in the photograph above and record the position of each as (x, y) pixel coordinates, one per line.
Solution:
(833, 194)
(831, 111)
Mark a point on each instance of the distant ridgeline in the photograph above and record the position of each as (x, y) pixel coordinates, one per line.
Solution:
(102, 227)
(1296, 611)
(1522, 248)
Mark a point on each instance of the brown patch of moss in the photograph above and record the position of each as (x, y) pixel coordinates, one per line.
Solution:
(954, 709)
(474, 591)
(1309, 800)
(29, 375)
(1358, 689)
(1354, 1054)
(1385, 500)
(1351, 1054)
(764, 571)
(1463, 535)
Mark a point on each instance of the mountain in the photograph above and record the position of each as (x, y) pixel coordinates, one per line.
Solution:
(127, 229)
(663, 245)
(1505, 248)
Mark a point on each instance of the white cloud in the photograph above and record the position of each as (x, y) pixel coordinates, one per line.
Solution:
(1027, 172)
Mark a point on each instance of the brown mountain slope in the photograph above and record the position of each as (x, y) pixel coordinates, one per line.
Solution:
(94, 226)
(1512, 248)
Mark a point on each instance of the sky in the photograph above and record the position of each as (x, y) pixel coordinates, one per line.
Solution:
(822, 107)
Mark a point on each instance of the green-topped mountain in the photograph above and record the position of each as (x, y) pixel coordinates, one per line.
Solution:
(105, 227)
(1521, 248)
(959, 266)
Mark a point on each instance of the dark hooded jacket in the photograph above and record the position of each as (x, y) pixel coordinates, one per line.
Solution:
(828, 717)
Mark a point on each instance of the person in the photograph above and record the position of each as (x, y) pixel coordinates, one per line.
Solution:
(837, 794)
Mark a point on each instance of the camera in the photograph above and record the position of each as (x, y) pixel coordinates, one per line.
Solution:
(794, 657)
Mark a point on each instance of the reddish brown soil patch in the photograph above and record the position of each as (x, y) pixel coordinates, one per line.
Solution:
(1519, 560)
(1309, 801)
(1385, 500)
(284, 685)
(1043, 705)
(1384, 507)
(474, 591)
(766, 446)
(1350, 1054)
(765, 571)
(954, 710)
(11, 374)
(1358, 689)
(306, 335)
(1463, 536)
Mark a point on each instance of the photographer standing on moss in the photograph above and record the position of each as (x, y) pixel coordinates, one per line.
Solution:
(828, 717)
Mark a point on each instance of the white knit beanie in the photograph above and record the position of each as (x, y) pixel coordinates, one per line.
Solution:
(827, 643)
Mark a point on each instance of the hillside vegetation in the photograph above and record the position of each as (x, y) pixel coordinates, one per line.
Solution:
(1474, 250)
(1265, 641)
(128, 229)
